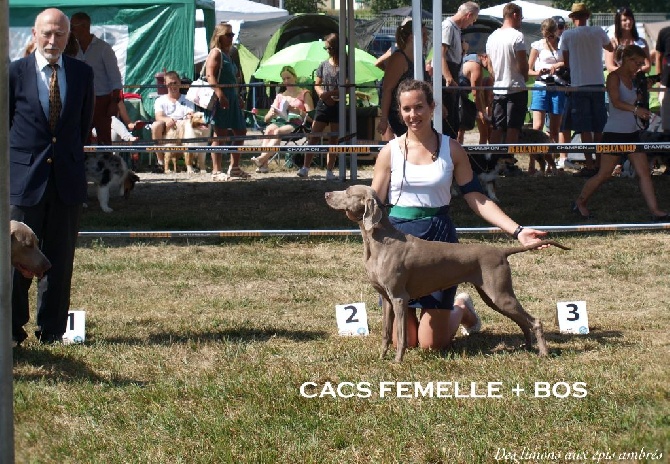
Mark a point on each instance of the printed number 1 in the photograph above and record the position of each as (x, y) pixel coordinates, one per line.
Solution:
(70, 317)
(573, 311)
(351, 318)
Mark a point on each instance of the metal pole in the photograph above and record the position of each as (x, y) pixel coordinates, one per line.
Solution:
(6, 361)
(353, 161)
(342, 121)
(437, 64)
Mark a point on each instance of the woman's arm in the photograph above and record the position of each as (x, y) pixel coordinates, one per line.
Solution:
(395, 68)
(609, 61)
(214, 63)
(482, 205)
(531, 63)
(647, 60)
(381, 178)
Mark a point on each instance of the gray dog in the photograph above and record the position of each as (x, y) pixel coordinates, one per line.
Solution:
(401, 267)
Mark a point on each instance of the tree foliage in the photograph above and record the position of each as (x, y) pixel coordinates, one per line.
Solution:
(301, 6)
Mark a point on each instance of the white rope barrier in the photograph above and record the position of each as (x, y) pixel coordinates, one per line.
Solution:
(356, 232)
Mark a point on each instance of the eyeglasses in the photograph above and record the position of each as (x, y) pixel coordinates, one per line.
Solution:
(561, 27)
(229, 34)
(328, 48)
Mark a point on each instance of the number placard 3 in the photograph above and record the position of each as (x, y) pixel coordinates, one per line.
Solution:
(572, 317)
(75, 332)
(352, 319)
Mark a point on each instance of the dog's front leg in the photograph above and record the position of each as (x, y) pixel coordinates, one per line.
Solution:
(400, 313)
(387, 325)
(103, 198)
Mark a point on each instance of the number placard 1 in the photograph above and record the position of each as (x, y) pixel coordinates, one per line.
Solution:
(572, 317)
(352, 319)
(75, 332)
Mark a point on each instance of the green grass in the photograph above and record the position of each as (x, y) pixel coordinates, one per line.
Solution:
(196, 350)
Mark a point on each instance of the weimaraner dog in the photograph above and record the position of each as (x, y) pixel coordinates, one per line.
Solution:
(401, 267)
(25, 252)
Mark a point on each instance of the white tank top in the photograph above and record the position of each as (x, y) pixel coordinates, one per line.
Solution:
(622, 121)
(426, 185)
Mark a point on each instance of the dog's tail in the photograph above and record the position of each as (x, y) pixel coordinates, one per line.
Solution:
(521, 249)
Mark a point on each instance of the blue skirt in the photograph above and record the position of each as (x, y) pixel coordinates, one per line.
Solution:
(438, 228)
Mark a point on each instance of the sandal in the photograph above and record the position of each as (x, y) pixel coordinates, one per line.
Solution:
(235, 173)
(575, 209)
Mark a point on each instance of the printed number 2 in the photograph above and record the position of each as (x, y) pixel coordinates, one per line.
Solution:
(351, 318)
(71, 320)
(573, 311)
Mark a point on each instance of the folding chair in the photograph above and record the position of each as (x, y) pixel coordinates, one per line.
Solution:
(297, 137)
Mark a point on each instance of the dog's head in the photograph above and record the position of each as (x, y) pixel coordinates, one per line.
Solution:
(360, 203)
(198, 120)
(25, 253)
(129, 182)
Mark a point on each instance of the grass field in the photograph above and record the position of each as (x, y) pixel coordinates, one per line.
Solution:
(196, 351)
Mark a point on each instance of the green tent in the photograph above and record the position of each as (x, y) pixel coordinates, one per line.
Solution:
(147, 35)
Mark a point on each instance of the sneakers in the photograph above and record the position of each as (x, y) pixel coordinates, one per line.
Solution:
(477, 326)
(330, 175)
(262, 169)
(303, 172)
(257, 161)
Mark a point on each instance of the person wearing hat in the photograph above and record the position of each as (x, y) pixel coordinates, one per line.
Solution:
(560, 25)
(585, 111)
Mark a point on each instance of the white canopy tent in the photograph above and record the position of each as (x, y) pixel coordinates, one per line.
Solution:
(531, 11)
(244, 10)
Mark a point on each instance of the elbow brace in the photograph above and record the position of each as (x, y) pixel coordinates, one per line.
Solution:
(472, 186)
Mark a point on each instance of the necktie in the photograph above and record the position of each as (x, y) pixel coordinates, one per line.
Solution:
(54, 98)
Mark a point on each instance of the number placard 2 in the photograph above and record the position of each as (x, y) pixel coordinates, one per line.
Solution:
(352, 319)
(75, 332)
(572, 317)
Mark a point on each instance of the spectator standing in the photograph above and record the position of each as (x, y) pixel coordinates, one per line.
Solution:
(545, 59)
(168, 109)
(663, 67)
(622, 127)
(326, 86)
(400, 66)
(51, 99)
(585, 111)
(221, 69)
(472, 75)
(506, 49)
(625, 33)
(100, 56)
(452, 57)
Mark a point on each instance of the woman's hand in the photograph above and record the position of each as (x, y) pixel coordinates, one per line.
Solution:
(223, 101)
(529, 236)
(327, 98)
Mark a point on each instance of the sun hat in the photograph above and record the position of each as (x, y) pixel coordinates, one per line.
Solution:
(579, 9)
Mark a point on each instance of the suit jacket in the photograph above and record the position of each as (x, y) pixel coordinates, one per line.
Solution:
(35, 152)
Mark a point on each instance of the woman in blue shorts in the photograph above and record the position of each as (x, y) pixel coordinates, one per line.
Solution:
(545, 58)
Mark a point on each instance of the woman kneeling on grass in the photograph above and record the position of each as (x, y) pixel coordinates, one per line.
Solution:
(623, 127)
(296, 102)
(414, 173)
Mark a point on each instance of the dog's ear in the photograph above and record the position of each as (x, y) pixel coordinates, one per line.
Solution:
(372, 214)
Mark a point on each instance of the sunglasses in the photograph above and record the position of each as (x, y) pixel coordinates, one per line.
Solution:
(624, 10)
(229, 34)
(328, 48)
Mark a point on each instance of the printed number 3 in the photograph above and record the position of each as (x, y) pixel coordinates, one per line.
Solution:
(573, 311)
(351, 318)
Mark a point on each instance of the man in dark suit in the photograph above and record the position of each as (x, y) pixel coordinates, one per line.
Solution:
(51, 102)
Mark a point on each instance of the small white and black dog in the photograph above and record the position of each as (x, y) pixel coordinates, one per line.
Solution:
(488, 166)
(108, 170)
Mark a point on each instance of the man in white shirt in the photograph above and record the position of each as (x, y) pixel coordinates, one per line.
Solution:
(585, 111)
(508, 64)
(452, 57)
(100, 56)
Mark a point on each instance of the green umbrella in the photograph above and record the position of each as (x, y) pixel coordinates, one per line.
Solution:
(306, 57)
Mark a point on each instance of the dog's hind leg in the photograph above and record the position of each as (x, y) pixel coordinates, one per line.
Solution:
(508, 305)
